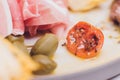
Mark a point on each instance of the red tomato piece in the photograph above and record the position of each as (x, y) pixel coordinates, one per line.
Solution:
(84, 40)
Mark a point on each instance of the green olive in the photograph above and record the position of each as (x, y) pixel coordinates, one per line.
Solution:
(47, 65)
(13, 38)
(46, 45)
(20, 46)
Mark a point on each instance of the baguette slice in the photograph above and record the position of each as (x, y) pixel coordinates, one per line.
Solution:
(83, 5)
(15, 65)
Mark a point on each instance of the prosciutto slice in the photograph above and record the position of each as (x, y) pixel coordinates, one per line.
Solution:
(5, 19)
(17, 18)
(44, 15)
(20, 16)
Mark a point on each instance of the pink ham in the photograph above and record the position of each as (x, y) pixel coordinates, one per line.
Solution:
(17, 18)
(44, 14)
(5, 19)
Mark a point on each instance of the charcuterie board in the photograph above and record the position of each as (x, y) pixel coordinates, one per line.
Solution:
(103, 66)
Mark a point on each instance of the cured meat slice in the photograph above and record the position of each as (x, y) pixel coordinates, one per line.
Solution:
(115, 12)
(45, 13)
(32, 16)
(17, 18)
(5, 19)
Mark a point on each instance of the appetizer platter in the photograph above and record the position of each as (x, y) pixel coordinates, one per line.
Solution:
(62, 40)
(104, 65)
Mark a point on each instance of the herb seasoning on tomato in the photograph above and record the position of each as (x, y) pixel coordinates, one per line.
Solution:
(84, 40)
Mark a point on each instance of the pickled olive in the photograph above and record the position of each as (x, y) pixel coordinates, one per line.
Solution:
(13, 38)
(46, 45)
(21, 46)
(46, 64)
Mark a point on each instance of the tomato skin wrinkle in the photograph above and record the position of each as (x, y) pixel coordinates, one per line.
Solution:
(84, 40)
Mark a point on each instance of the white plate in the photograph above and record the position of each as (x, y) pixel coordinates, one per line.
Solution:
(104, 66)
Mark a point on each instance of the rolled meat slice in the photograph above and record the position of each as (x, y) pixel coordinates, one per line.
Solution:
(5, 19)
